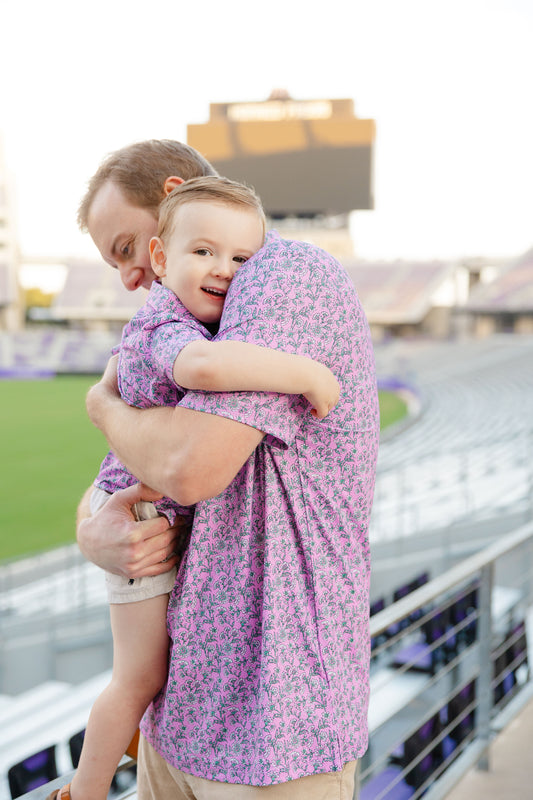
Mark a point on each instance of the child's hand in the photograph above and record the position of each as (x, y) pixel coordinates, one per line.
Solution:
(324, 392)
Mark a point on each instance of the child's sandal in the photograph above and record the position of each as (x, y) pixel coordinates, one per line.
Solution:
(133, 747)
(62, 794)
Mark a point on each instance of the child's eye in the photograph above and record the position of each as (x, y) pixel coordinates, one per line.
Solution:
(202, 251)
(126, 250)
(240, 259)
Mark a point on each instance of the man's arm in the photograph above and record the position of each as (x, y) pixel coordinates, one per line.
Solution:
(186, 455)
(231, 366)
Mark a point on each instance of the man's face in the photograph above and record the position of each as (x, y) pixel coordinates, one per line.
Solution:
(206, 246)
(122, 232)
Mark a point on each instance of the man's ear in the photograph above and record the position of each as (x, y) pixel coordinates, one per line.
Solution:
(171, 183)
(158, 257)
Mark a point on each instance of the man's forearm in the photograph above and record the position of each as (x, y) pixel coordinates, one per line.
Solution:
(186, 455)
(136, 437)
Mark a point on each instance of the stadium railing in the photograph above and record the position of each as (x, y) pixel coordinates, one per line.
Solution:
(450, 661)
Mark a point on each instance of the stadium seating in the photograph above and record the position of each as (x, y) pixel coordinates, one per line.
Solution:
(43, 352)
(509, 659)
(434, 647)
(47, 716)
(36, 770)
(387, 785)
(94, 290)
(75, 744)
(397, 291)
(511, 290)
(461, 708)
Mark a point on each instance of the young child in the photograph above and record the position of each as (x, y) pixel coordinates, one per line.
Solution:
(208, 227)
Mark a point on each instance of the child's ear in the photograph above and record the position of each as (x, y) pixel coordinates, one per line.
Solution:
(158, 257)
(170, 183)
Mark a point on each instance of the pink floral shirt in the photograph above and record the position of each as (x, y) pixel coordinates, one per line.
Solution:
(268, 675)
(150, 343)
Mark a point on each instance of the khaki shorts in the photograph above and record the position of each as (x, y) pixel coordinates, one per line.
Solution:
(156, 779)
(129, 590)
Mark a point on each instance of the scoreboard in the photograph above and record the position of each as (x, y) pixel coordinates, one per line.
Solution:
(305, 158)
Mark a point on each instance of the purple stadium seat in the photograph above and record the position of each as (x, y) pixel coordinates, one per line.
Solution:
(388, 785)
(34, 771)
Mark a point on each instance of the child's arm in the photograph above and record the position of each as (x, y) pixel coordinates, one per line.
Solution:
(239, 366)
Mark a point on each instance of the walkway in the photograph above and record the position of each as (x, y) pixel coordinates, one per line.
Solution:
(511, 768)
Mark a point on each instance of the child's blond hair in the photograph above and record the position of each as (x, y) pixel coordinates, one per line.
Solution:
(207, 189)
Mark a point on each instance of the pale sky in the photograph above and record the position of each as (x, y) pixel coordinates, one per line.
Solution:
(449, 83)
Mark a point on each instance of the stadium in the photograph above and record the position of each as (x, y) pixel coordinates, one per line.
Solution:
(452, 524)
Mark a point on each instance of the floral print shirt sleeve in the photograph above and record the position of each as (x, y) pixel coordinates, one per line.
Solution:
(268, 674)
(151, 342)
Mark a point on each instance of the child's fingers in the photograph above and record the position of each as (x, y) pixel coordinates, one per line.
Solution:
(319, 412)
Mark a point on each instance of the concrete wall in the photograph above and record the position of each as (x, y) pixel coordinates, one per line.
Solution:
(70, 647)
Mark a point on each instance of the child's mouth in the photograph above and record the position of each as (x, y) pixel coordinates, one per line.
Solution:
(214, 292)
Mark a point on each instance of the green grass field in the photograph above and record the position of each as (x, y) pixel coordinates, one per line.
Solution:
(50, 455)
(392, 408)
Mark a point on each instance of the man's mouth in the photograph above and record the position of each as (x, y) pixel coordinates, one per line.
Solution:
(214, 292)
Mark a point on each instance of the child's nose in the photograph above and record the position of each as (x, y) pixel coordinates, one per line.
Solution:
(224, 268)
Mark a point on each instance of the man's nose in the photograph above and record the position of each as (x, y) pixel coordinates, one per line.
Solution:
(132, 277)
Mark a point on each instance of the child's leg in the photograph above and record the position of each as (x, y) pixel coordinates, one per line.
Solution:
(140, 665)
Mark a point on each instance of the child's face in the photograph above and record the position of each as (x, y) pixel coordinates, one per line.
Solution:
(207, 245)
(122, 232)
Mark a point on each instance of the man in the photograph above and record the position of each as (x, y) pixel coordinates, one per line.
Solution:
(268, 672)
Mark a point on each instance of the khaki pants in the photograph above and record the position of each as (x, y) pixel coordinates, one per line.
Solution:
(157, 780)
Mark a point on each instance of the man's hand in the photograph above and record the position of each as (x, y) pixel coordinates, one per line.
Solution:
(114, 541)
